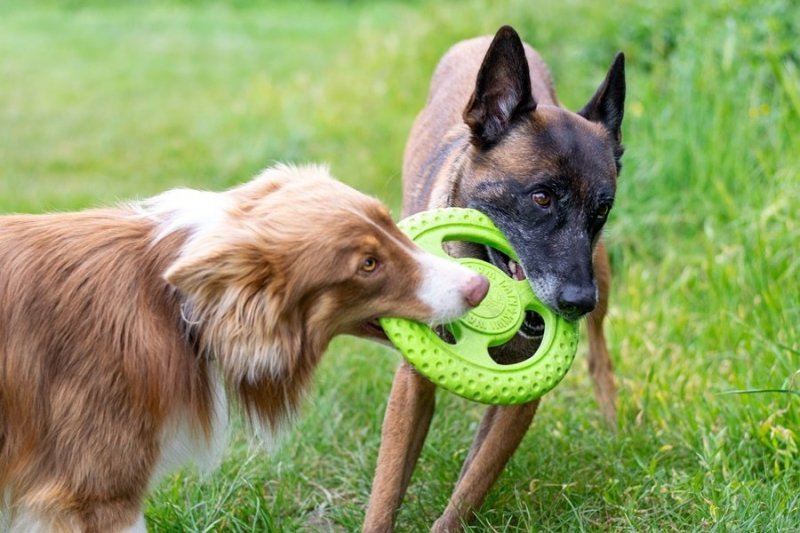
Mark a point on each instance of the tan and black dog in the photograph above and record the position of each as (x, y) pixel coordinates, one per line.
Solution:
(493, 137)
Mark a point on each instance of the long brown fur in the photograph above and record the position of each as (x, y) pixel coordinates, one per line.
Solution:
(116, 326)
(78, 284)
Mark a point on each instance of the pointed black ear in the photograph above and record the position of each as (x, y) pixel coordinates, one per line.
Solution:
(607, 106)
(502, 90)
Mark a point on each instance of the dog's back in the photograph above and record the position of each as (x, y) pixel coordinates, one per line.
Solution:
(78, 284)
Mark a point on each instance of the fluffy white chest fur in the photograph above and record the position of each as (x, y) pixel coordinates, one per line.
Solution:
(182, 444)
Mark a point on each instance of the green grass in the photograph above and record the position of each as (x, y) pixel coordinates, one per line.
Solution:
(107, 101)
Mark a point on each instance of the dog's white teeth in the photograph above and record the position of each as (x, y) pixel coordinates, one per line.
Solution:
(512, 267)
(515, 270)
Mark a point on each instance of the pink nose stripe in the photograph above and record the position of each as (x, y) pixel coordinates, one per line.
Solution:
(476, 290)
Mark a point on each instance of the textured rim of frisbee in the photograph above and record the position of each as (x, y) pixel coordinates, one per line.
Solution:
(465, 367)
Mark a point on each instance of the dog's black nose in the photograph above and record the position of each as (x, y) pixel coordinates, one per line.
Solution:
(577, 300)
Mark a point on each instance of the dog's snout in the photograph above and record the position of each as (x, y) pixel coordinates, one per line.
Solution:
(476, 289)
(450, 289)
(577, 300)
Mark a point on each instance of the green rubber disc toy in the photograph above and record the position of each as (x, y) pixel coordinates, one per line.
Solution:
(466, 367)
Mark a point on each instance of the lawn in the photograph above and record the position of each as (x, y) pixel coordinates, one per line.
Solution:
(103, 101)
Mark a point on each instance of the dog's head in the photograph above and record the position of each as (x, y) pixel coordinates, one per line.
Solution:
(295, 258)
(546, 176)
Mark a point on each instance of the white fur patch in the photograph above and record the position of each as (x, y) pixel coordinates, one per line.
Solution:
(205, 212)
(138, 527)
(199, 212)
(545, 288)
(27, 521)
(442, 287)
(181, 444)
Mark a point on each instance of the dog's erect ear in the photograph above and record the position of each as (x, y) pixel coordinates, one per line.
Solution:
(502, 90)
(607, 106)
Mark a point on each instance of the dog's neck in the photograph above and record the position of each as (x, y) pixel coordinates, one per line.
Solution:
(265, 374)
(442, 173)
(455, 175)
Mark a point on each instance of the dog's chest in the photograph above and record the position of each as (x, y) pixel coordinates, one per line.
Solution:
(182, 441)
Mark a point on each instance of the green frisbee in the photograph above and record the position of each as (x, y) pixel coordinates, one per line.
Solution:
(465, 367)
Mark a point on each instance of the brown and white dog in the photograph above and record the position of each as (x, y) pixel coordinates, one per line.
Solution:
(124, 331)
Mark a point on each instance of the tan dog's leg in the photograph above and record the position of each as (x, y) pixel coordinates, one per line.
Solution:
(600, 367)
(499, 435)
(405, 426)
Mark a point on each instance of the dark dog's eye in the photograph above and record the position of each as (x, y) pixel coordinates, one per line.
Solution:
(602, 211)
(369, 264)
(542, 199)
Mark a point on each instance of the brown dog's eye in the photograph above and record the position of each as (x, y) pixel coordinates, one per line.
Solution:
(369, 264)
(542, 199)
(602, 211)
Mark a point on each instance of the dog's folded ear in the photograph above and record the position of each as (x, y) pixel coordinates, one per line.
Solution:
(607, 106)
(201, 273)
(207, 271)
(502, 89)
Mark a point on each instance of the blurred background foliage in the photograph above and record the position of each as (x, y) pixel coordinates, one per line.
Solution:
(104, 101)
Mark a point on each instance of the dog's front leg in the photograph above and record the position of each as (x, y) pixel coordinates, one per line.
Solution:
(405, 426)
(600, 367)
(499, 435)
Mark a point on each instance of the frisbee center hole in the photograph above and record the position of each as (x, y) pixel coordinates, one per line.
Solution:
(524, 344)
(521, 347)
(445, 334)
(458, 248)
(484, 252)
